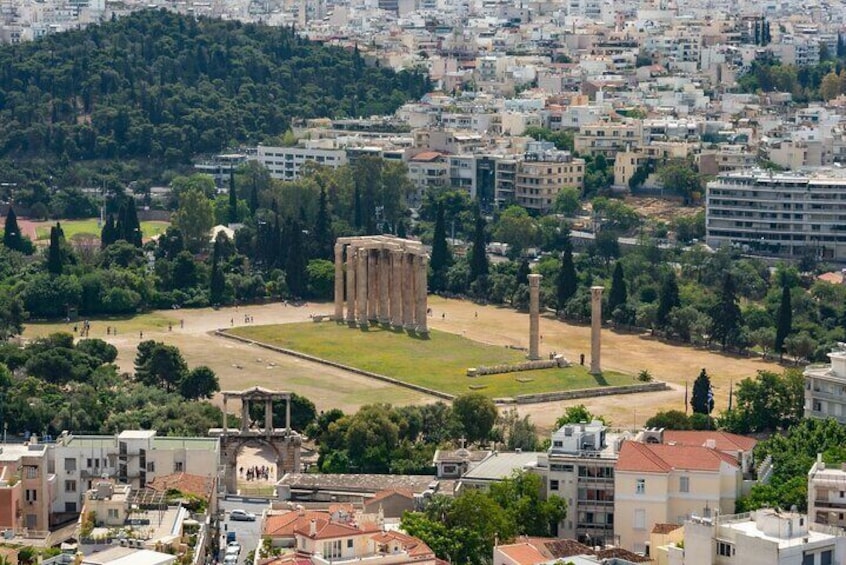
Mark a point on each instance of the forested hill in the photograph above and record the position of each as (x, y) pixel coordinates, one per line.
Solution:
(165, 86)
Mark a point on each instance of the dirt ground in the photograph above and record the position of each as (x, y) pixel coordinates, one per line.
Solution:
(240, 366)
(660, 209)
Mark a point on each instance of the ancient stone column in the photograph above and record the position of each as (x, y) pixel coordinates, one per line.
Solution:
(595, 327)
(407, 282)
(245, 414)
(352, 267)
(421, 264)
(361, 286)
(268, 415)
(225, 413)
(339, 282)
(534, 316)
(396, 288)
(384, 286)
(288, 414)
(372, 285)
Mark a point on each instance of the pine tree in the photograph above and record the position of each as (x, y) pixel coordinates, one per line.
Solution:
(618, 295)
(726, 318)
(323, 228)
(784, 321)
(295, 266)
(568, 281)
(441, 258)
(217, 284)
(702, 399)
(479, 257)
(12, 232)
(55, 264)
(233, 199)
(667, 300)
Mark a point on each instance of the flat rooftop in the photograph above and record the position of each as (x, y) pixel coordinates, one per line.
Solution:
(363, 484)
(502, 465)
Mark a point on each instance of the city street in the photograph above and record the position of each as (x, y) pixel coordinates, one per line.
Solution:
(248, 534)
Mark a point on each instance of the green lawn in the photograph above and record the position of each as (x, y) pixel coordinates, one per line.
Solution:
(124, 324)
(90, 227)
(439, 362)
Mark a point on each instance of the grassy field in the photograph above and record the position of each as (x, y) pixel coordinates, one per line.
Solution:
(124, 324)
(90, 227)
(439, 362)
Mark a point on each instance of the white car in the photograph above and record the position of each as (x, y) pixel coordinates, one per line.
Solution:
(234, 548)
(230, 560)
(239, 515)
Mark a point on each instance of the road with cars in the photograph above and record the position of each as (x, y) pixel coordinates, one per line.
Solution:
(247, 533)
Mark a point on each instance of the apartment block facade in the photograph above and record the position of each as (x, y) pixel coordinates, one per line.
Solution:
(827, 494)
(825, 388)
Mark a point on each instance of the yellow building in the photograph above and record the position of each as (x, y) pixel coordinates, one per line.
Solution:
(661, 484)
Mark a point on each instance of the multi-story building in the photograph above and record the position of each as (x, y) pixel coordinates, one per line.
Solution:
(825, 387)
(133, 457)
(580, 465)
(27, 487)
(783, 214)
(427, 170)
(607, 138)
(542, 174)
(286, 162)
(765, 537)
(667, 484)
(827, 494)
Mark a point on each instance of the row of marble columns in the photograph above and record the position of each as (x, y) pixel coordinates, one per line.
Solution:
(383, 284)
(268, 412)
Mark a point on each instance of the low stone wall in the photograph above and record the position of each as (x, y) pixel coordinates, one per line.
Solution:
(556, 362)
(307, 357)
(589, 392)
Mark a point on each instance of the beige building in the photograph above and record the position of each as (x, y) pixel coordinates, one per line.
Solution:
(827, 494)
(27, 488)
(542, 174)
(660, 484)
(825, 388)
(607, 138)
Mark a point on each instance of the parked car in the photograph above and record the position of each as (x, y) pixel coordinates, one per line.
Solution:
(239, 515)
(234, 548)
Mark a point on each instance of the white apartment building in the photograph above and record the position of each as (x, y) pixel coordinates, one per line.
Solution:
(764, 537)
(825, 387)
(286, 162)
(133, 457)
(827, 494)
(607, 138)
(580, 465)
(782, 214)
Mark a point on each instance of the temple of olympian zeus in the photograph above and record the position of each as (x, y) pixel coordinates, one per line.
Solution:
(385, 279)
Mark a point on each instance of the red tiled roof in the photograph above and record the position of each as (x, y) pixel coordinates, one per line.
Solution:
(523, 553)
(723, 441)
(383, 494)
(283, 525)
(663, 458)
(412, 545)
(427, 156)
(622, 554)
(327, 529)
(664, 528)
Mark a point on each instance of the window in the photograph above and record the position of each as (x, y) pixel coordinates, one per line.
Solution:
(178, 466)
(332, 549)
(70, 464)
(349, 543)
(151, 467)
(639, 519)
(70, 506)
(640, 486)
(31, 495)
(113, 513)
(553, 485)
(808, 559)
(31, 472)
(825, 557)
(70, 486)
(684, 484)
(725, 549)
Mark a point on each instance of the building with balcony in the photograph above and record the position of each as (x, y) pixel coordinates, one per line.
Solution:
(782, 214)
(825, 387)
(580, 465)
(607, 138)
(27, 488)
(286, 162)
(827, 494)
(542, 174)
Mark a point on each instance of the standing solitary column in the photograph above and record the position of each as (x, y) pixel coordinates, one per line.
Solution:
(407, 291)
(421, 274)
(288, 415)
(595, 327)
(372, 285)
(268, 416)
(396, 288)
(339, 282)
(534, 316)
(361, 286)
(245, 414)
(351, 278)
(384, 286)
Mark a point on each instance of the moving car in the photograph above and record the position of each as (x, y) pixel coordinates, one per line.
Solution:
(239, 515)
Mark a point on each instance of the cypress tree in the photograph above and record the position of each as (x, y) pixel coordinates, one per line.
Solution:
(133, 226)
(54, 252)
(357, 220)
(479, 257)
(12, 232)
(667, 300)
(254, 200)
(784, 321)
(323, 228)
(108, 234)
(568, 281)
(401, 229)
(295, 267)
(523, 272)
(726, 317)
(217, 284)
(233, 199)
(702, 399)
(618, 295)
(441, 259)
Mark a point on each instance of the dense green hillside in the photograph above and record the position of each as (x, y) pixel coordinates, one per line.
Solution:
(160, 85)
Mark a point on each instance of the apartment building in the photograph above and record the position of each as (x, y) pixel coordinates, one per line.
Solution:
(725, 158)
(428, 170)
(133, 457)
(27, 487)
(580, 464)
(607, 138)
(763, 537)
(286, 162)
(666, 484)
(825, 387)
(782, 214)
(827, 494)
(542, 174)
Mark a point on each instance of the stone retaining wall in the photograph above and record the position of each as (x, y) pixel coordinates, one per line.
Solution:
(589, 392)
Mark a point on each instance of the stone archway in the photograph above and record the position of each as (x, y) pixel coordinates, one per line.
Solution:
(284, 442)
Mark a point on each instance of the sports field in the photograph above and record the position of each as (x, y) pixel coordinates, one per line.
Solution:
(91, 227)
(439, 362)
